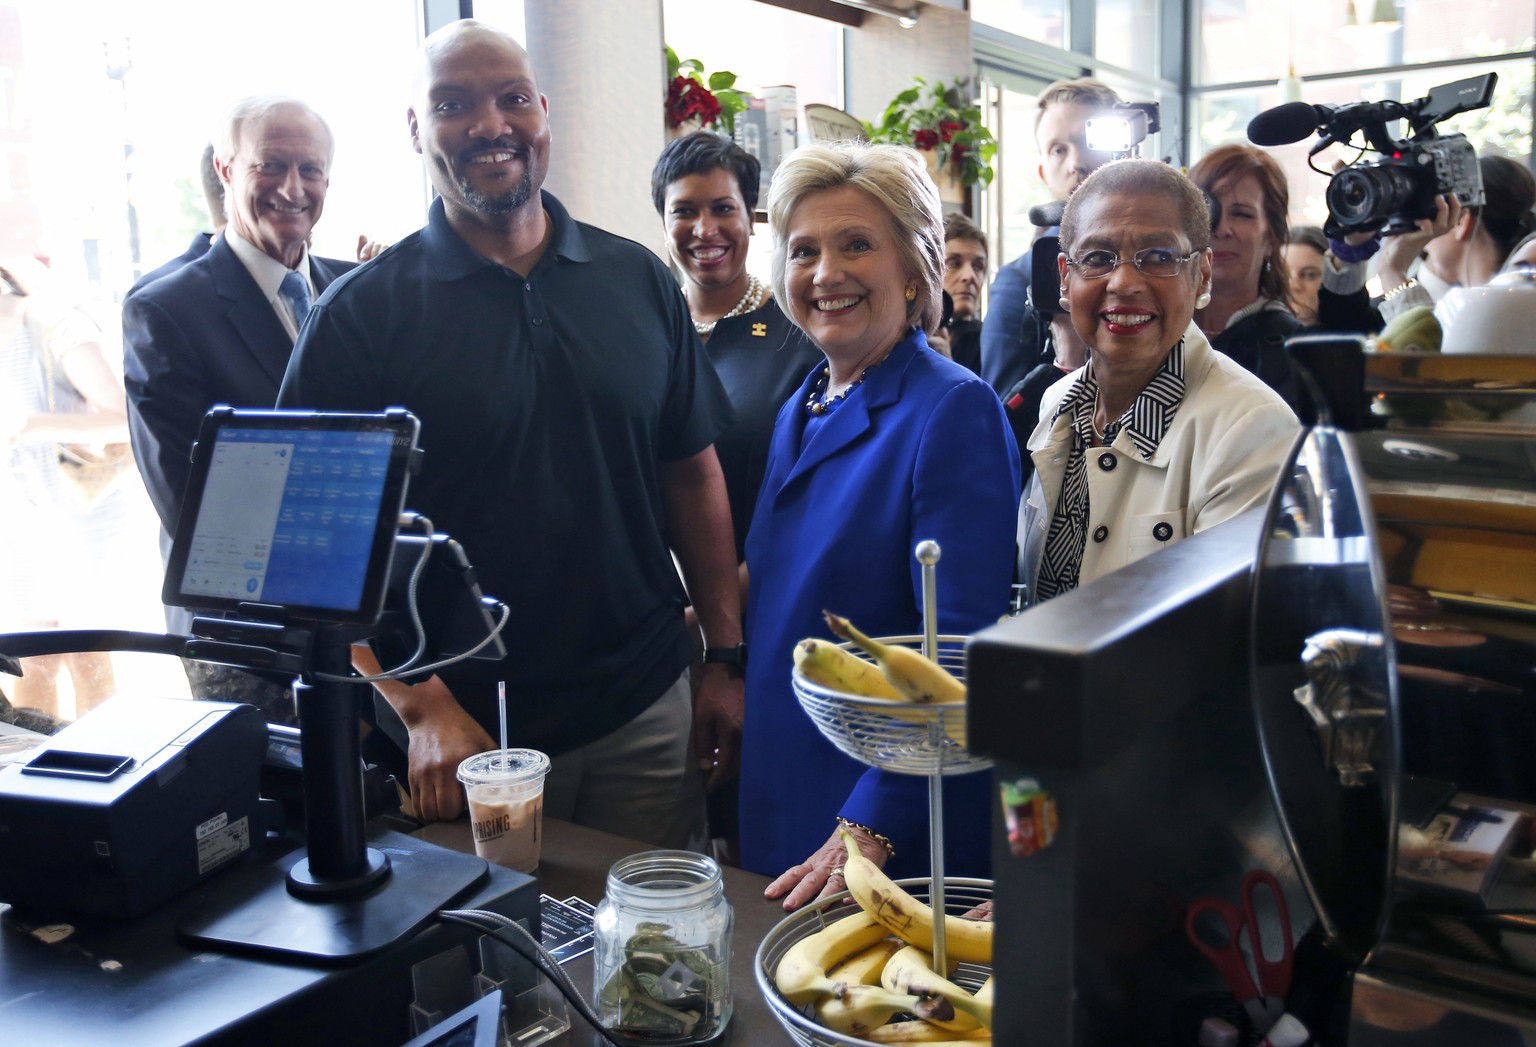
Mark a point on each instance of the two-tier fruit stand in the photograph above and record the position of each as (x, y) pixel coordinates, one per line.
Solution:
(905, 738)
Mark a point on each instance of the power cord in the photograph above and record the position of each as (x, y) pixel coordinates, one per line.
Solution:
(527, 946)
(409, 666)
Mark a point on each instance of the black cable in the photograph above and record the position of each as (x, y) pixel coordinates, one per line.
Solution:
(529, 947)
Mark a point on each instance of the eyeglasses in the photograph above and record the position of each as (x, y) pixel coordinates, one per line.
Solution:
(1149, 261)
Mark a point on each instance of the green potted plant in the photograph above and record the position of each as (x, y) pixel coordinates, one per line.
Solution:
(940, 118)
(709, 99)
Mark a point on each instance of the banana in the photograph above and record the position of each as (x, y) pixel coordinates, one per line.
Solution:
(926, 1032)
(911, 971)
(863, 968)
(802, 972)
(985, 992)
(855, 1010)
(825, 663)
(915, 678)
(906, 917)
(829, 665)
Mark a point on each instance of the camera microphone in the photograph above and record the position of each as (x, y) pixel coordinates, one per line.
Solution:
(1047, 214)
(1287, 123)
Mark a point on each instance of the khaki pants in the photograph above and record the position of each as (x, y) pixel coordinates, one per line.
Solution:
(641, 781)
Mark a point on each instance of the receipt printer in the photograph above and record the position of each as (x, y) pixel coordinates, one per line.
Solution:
(132, 804)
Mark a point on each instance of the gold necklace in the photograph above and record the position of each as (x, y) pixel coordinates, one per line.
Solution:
(757, 292)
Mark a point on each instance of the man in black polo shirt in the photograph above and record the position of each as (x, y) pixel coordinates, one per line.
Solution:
(568, 414)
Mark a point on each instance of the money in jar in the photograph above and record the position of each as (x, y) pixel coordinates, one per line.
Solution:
(663, 950)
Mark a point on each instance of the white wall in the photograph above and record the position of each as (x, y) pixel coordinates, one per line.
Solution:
(601, 66)
(883, 57)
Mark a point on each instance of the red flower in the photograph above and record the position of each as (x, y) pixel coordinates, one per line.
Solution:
(959, 153)
(925, 139)
(688, 99)
(947, 129)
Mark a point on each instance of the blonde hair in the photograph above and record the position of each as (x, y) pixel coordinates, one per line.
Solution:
(897, 179)
(1095, 94)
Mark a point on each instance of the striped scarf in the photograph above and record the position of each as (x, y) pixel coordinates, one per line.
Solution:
(1146, 422)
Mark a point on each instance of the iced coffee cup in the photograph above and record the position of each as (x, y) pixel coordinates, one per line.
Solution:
(505, 788)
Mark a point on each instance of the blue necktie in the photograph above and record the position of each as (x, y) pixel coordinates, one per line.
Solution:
(296, 290)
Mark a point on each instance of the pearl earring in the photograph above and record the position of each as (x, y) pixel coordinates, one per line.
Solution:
(1203, 299)
(1066, 306)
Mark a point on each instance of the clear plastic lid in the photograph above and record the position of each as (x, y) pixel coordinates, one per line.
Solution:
(504, 767)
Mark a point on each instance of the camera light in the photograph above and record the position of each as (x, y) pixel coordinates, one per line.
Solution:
(1119, 133)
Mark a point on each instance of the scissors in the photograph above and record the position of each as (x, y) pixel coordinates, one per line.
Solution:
(1265, 1000)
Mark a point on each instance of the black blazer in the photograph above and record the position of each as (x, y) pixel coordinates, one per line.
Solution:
(205, 334)
(199, 247)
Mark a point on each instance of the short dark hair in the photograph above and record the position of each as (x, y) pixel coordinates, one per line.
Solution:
(1309, 236)
(213, 187)
(700, 153)
(1141, 175)
(959, 227)
(1509, 193)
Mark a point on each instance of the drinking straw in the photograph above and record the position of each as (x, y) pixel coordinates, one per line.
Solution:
(501, 699)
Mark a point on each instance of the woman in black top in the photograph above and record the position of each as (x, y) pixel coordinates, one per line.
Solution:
(704, 187)
(1249, 316)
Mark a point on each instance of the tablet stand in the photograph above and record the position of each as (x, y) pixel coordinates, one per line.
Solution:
(341, 898)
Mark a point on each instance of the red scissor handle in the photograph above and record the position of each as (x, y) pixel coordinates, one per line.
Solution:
(1274, 975)
(1227, 956)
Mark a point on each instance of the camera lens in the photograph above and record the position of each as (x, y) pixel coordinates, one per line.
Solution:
(1369, 194)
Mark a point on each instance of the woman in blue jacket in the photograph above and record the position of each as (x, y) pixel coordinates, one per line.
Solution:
(885, 444)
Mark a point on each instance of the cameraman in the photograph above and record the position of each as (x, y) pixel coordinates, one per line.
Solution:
(1459, 247)
(1010, 344)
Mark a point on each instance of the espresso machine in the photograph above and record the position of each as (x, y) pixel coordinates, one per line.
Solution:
(1338, 689)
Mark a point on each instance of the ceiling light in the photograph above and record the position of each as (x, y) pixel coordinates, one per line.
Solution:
(905, 15)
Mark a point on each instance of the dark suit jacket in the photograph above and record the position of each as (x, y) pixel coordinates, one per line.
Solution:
(203, 335)
(199, 247)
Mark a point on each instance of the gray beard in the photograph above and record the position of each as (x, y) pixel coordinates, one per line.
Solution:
(505, 203)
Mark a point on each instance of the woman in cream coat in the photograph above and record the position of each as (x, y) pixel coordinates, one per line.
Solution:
(1158, 436)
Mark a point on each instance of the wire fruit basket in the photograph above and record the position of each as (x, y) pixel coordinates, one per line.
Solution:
(961, 895)
(894, 735)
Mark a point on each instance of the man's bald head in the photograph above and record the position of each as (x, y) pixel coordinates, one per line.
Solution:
(478, 119)
(451, 39)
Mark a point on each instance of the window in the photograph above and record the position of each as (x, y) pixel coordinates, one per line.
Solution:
(1041, 20)
(1262, 39)
(106, 108)
(1125, 34)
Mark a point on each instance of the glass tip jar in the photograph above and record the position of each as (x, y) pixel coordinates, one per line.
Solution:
(661, 967)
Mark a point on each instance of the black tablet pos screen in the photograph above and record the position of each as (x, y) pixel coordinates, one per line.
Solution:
(293, 510)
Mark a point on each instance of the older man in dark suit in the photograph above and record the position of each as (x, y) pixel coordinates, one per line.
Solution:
(220, 329)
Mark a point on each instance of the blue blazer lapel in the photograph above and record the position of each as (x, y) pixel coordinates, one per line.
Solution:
(852, 418)
(249, 312)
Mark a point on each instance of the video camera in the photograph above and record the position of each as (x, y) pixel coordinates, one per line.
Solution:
(1393, 193)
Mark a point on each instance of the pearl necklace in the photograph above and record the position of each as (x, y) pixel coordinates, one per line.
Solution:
(757, 293)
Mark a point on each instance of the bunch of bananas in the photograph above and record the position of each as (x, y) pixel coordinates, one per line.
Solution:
(858, 977)
(897, 674)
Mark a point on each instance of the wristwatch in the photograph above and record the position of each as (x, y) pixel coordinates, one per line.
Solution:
(733, 658)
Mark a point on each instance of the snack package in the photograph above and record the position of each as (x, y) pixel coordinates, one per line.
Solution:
(1030, 814)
